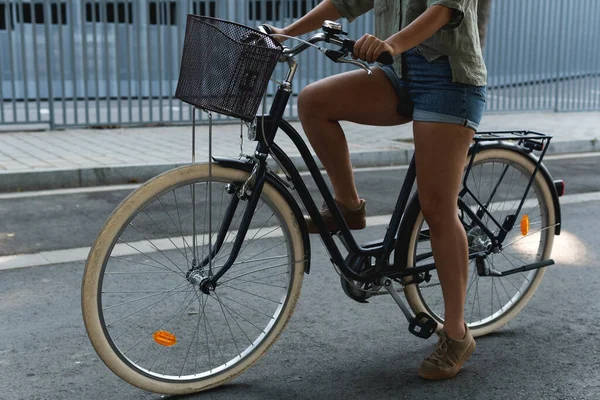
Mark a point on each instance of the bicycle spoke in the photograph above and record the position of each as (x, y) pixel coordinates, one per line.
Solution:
(147, 256)
(157, 249)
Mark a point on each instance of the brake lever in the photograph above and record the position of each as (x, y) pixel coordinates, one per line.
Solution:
(338, 57)
(360, 64)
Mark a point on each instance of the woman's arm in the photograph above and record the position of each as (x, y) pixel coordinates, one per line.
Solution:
(369, 48)
(311, 21)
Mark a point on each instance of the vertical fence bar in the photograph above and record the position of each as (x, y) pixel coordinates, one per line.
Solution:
(13, 57)
(554, 73)
(149, 55)
(138, 35)
(521, 55)
(84, 58)
(587, 56)
(128, 17)
(96, 17)
(36, 61)
(38, 90)
(169, 58)
(163, 13)
(24, 63)
(59, 18)
(567, 82)
(559, 55)
(572, 68)
(494, 51)
(530, 21)
(7, 21)
(71, 11)
(118, 26)
(49, 69)
(572, 73)
(595, 88)
(106, 60)
(506, 61)
(538, 56)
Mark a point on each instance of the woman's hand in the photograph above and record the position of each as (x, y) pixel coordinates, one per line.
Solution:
(369, 48)
(278, 31)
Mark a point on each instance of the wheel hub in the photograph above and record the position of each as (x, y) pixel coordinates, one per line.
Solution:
(478, 240)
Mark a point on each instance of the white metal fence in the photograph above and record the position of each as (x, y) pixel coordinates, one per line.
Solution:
(116, 62)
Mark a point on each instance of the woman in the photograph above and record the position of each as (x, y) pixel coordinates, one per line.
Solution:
(440, 68)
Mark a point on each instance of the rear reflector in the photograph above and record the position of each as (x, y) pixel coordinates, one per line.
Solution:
(560, 187)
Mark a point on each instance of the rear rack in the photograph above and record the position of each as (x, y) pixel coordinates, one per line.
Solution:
(510, 135)
(528, 139)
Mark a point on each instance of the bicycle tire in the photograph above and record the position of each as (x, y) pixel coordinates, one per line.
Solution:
(412, 229)
(94, 277)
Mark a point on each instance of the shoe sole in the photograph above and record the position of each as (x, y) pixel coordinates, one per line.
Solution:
(440, 375)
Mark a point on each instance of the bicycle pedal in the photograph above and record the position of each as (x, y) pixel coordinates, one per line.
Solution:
(422, 325)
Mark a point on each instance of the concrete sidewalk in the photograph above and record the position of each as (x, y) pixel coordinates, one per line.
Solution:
(88, 157)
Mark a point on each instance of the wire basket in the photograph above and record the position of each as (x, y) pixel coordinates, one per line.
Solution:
(225, 67)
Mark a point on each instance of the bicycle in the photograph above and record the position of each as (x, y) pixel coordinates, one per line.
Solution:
(223, 247)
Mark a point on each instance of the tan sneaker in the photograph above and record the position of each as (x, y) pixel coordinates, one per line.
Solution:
(448, 357)
(355, 218)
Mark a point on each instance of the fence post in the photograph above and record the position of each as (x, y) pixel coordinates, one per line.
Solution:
(47, 22)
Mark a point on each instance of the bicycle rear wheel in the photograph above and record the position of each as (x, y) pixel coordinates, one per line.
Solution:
(490, 301)
(145, 314)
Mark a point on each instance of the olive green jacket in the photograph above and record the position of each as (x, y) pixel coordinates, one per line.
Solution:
(459, 39)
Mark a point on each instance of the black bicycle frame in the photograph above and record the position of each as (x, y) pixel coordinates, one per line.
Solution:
(266, 129)
(267, 126)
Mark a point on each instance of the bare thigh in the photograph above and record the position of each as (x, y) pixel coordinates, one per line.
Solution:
(352, 96)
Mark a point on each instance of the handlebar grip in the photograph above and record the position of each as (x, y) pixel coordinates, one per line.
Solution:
(384, 58)
(266, 28)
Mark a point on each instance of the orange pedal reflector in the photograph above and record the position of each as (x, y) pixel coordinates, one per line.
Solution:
(525, 225)
(164, 338)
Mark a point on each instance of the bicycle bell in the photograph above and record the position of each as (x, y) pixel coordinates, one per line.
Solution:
(333, 28)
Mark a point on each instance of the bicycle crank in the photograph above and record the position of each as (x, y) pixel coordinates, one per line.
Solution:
(422, 324)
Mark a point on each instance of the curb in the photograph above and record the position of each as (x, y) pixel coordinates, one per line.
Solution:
(116, 175)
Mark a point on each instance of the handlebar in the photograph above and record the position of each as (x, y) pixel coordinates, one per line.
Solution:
(346, 46)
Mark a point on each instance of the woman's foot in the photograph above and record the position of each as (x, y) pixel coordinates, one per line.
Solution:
(356, 218)
(448, 357)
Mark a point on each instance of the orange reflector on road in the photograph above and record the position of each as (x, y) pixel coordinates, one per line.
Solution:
(164, 338)
(525, 225)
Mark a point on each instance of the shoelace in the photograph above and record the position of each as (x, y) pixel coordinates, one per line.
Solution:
(441, 349)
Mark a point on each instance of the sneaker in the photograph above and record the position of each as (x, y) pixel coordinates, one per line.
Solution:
(355, 218)
(448, 357)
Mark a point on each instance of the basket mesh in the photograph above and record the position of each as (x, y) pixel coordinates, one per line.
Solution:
(225, 66)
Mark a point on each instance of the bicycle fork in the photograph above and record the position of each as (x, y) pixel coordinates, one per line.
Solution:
(250, 190)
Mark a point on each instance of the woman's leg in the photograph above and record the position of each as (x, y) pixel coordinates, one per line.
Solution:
(351, 96)
(441, 150)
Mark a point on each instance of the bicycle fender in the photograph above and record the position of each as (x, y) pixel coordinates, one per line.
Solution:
(541, 170)
(276, 182)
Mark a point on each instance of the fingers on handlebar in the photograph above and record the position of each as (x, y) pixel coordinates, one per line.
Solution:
(384, 58)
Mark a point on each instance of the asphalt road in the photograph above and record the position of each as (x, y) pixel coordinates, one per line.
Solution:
(333, 348)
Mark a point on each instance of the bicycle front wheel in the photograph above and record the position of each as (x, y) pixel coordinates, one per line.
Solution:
(144, 312)
(499, 176)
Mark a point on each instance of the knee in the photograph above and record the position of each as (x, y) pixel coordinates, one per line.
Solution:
(438, 211)
(310, 102)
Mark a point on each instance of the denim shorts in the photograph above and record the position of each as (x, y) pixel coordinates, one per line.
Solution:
(434, 97)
